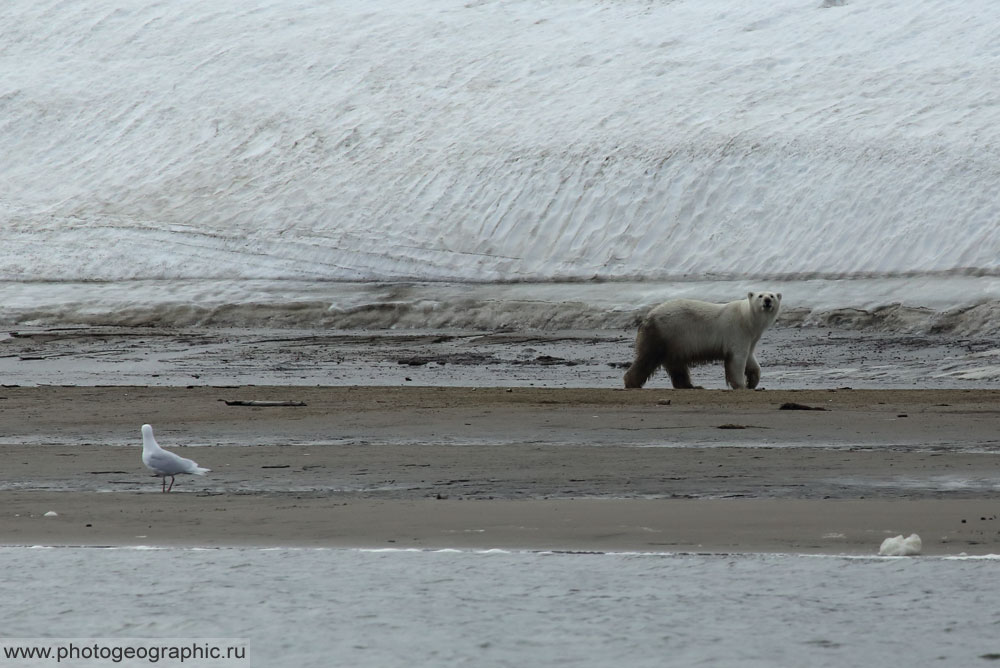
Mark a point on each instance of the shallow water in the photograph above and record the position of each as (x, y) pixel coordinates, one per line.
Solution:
(446, 608)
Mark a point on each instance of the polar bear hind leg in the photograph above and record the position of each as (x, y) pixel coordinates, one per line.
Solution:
(649, 353)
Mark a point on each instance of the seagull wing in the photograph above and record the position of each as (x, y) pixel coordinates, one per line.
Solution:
(167, 463)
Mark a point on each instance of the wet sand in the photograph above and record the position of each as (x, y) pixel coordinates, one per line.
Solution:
(519, 468)
(792, 358)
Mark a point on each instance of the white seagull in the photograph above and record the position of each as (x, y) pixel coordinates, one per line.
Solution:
(164, 463)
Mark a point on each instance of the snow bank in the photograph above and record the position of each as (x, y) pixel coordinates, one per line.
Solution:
(498, 141)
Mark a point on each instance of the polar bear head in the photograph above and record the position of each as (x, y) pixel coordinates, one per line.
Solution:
(765, 302)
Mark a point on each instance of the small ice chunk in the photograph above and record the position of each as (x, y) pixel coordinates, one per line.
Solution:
(901, 547)
(52, 513)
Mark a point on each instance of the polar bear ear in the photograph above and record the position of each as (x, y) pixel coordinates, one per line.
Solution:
(779, 296)
(750, 296)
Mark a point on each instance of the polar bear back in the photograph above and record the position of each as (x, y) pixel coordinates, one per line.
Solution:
(695, 331)
(700, 331)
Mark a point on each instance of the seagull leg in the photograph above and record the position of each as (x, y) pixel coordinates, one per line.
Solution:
(171, 483)
(163, 484)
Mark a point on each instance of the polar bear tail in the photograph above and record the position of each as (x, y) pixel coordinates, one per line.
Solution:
(649, 354)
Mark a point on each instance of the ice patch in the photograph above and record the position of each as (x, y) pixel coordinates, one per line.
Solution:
(901, 547)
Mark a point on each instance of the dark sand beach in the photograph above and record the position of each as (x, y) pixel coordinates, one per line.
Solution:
(519, 468)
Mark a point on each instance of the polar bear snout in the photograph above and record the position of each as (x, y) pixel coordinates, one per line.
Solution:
(768, 301)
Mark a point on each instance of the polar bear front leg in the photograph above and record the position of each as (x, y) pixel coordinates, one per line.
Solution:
(752, 371)
(736, 371)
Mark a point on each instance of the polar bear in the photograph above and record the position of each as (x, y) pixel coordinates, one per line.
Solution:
(682, 332)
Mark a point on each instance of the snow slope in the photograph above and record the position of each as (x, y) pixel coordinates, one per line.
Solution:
(498, 141)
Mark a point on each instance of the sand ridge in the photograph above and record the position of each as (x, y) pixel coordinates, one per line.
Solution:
(529, 468)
